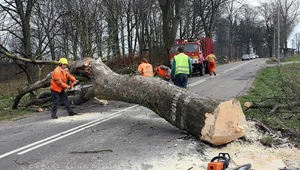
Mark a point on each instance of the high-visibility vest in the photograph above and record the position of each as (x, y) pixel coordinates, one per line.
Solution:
(182, 64)
(146, 69)
(211, 58)
(163, 73)
(59, 79)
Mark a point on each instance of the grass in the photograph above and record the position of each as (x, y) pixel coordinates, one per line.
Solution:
(277, 85)
(287, 59)
(292, 58)
(6, 113)
(9, 88)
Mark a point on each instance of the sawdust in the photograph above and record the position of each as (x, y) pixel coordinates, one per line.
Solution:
(250, 150)
(241, 151)
(245, 150)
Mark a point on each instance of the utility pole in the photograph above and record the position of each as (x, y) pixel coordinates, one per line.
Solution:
(274, 41)
(278, 23)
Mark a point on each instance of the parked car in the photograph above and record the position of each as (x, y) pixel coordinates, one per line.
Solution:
(252, 56)
(245, 57)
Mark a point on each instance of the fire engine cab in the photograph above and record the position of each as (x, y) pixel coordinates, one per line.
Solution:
(197, 49)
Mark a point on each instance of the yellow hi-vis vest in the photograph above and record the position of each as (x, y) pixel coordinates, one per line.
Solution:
(182, 64)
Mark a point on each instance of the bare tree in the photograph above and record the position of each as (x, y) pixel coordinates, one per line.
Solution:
(47, 16)
(232, 9)
(171, 14)
(18, 26)
(208, 11)
(268, 12)
(289, 12)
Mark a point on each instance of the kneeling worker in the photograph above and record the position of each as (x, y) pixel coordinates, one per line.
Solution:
(164, 72)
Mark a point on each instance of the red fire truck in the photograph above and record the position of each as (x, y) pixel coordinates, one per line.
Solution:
(197, 49)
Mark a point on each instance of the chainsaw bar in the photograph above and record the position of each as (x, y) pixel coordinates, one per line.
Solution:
(79, 87)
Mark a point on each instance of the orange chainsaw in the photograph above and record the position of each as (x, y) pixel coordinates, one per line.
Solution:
(221, 162)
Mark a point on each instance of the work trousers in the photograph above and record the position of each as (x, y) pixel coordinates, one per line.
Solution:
(55, 101)
(181, 80)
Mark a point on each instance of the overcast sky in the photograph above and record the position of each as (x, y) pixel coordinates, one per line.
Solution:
(296, 29)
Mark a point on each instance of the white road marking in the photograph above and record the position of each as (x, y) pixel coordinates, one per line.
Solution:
(203, 80)
(64, 134)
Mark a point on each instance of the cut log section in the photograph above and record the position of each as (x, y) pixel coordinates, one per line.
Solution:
(225, 124)
(208, 119)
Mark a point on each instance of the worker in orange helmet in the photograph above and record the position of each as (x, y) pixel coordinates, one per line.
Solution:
(164, 72)
(211, 59)
(145, 68)
(58, 84)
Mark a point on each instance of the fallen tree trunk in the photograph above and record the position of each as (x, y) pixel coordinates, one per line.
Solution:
(210, 120)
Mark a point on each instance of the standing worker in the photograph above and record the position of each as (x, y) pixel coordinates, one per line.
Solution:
(145, 68)
(58, 85)
(211, 58)
(181, 68)
(164, 72)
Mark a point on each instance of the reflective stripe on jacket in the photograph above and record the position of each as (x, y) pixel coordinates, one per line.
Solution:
(59, 79)
(211, 58)
(182, 64)
(145, 69)
(165, 73)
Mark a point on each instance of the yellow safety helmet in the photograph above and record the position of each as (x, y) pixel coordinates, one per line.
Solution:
(63, 61)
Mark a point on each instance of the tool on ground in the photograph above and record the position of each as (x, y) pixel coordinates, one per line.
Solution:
(221, 162)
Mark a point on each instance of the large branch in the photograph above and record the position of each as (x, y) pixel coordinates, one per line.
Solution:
(77, 99)
(271, 105)
(5, 52)
(39, 84)
(211, 120)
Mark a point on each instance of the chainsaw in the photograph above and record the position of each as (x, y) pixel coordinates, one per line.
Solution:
(221, 162)
(79, 87)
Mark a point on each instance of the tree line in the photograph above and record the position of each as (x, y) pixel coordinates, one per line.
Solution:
(110, 29)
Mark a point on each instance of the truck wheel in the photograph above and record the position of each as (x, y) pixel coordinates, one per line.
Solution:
(202, 70)
(206, 68)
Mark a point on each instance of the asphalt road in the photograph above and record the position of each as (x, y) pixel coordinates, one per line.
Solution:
(119, 136)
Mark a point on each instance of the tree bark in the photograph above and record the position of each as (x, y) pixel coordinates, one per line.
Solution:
(208, 119)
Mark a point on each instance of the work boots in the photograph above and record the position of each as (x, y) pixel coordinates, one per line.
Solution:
(53, 116)
(73, 113)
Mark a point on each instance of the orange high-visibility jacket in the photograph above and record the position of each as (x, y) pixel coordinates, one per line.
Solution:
(211, 58)
(165, 73)
(59, 79)
(145, 69)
